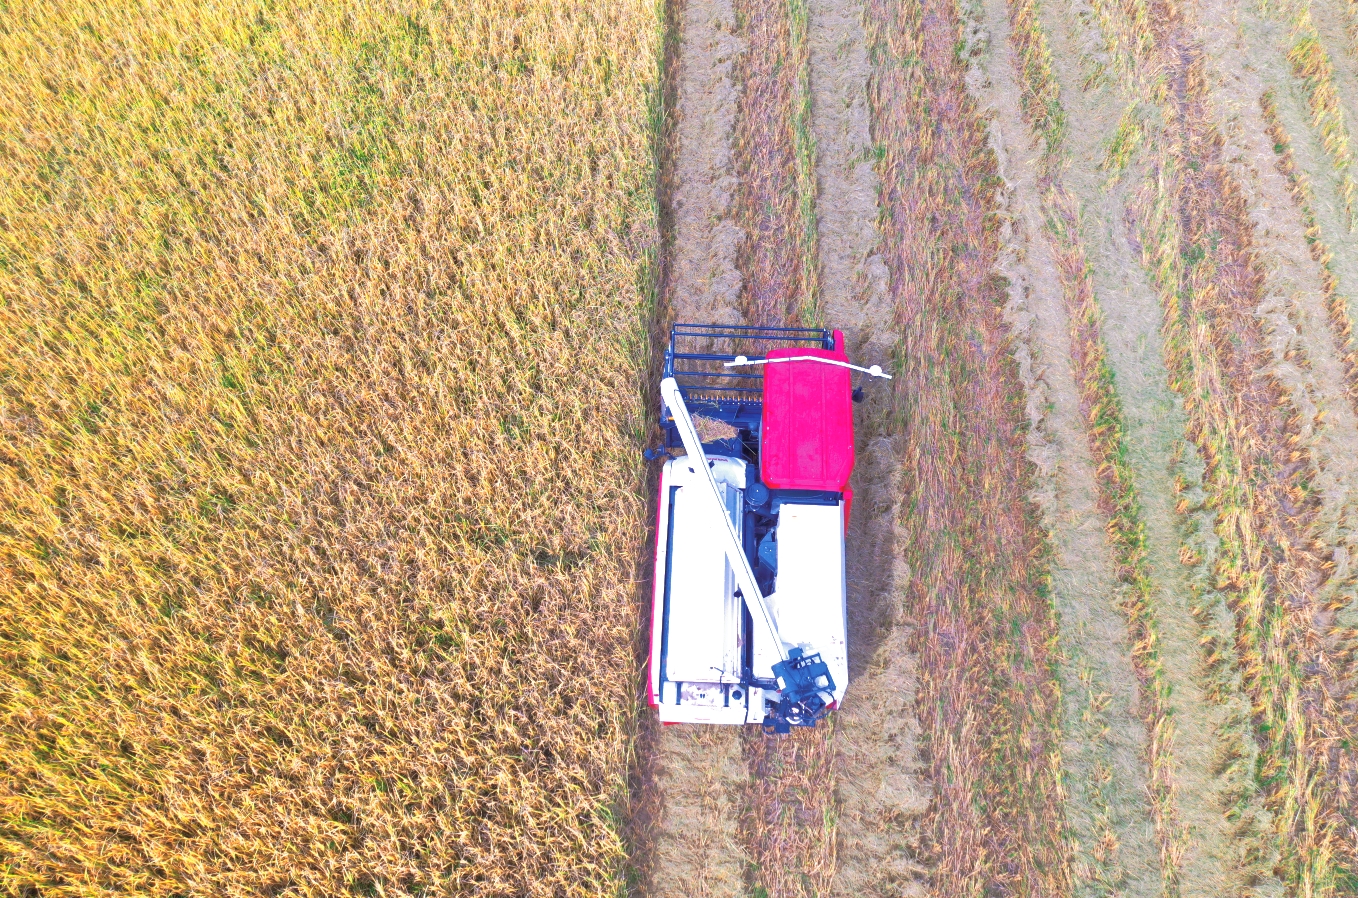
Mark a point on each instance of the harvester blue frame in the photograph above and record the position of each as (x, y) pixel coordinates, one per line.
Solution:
(695, 360)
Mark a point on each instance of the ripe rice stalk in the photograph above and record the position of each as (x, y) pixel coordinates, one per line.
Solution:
(320, 335)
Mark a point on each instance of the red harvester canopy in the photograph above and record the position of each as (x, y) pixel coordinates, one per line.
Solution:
(807, 431)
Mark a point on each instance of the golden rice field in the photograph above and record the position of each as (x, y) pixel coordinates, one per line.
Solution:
(322, 332)
(327, 348)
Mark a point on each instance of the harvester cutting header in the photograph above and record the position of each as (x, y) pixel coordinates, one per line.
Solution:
(748, 622)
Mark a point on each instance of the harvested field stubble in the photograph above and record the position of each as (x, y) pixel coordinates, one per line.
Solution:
(789, 814)
(976, 583)
(1216, 837)
(1198, 248)
(319, 349)
(1109, 832)
(774, 157)
(1101, 409)
(1299, 186)
(1311, 63)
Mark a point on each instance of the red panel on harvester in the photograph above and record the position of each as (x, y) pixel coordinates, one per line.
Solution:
(807, 432)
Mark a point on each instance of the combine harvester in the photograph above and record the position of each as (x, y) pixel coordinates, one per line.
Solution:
(748, 622)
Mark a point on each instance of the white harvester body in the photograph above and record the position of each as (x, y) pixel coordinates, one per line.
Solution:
(699, 624)
(749, 617)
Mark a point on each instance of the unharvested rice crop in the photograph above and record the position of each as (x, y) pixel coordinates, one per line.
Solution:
(322, 330)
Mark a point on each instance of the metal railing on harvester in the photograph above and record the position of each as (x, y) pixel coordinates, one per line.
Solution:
(696, 359)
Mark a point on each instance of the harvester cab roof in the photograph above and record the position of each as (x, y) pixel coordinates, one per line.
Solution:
(748, 622)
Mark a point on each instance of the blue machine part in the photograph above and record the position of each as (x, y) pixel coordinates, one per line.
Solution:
(801, 680)
(768, 551)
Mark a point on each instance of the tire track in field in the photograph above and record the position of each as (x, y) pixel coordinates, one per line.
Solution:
(1216, 832)
(972, 565)
(1298, 164)
(1201, 247)
(1306, 360)
(865, 759)
(881, 782)
(693, 777)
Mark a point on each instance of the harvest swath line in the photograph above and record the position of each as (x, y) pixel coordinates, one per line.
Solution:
(1311, 63)
(1283, 119)
(1105, 428)
(977, 571)
(1318, 367)
(787, 827)
(1302, 194)
(881, 787)
(1100, 418)
(786, 838)
(1108, 820)
(1299, 309)
(1312, 182)
(1198, 248)
(787, 816)
(1217, 837)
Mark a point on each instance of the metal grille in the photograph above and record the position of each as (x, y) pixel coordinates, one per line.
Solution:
(696, 353)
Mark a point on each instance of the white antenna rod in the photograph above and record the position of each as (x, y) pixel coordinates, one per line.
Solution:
(740, 564)
(741, 361)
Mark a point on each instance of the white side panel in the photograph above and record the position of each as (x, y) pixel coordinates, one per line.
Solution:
(658, 593)
(809, 601)
(700, 639)
(700, 592)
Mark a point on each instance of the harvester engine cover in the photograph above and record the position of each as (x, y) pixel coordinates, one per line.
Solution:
(749, 620)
